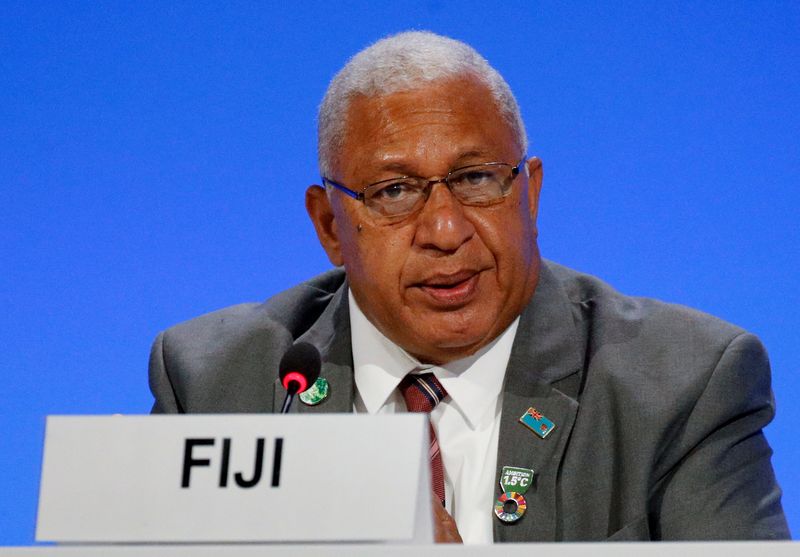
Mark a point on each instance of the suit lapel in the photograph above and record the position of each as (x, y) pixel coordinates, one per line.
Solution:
(331, 335)
(543, 373)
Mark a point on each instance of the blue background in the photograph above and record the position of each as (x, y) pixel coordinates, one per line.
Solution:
(154, 155)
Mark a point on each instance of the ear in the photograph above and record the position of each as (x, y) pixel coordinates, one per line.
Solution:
(534, 167)
(320, 210)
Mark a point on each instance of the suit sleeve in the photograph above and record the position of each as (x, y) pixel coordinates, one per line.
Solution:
(160, 385)
(722, 485)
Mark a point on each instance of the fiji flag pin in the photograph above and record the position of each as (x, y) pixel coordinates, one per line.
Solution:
(536, 422)
(316, 393)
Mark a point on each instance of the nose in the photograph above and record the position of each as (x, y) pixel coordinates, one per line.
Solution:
(442, 225)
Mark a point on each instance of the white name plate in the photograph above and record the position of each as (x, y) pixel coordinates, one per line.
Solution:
(235, 478)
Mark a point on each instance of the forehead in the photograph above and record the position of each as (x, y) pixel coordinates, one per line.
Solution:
(444, 122)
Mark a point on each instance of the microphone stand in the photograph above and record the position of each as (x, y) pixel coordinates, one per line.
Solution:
(290, 392)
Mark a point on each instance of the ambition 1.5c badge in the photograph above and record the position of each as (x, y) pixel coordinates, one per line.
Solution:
(514, 482)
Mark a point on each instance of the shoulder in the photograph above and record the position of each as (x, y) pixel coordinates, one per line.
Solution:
(661, 361)
(612, 318)
(226, 360)
(291, 311)
(657, 356)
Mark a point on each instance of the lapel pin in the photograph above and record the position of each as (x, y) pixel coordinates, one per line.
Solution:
(316, 393)
(536, 422)
(514, 482)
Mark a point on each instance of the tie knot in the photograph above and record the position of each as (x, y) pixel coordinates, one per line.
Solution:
(422, 392)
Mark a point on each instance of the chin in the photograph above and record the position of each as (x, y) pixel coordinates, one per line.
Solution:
(447, 336)
(442, 350)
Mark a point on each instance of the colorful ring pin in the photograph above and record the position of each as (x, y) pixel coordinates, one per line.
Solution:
(510, 506)
(316, 393)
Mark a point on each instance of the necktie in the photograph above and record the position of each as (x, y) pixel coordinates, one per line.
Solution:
(422, 393)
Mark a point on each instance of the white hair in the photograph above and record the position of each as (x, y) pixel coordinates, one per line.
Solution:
(405, 62)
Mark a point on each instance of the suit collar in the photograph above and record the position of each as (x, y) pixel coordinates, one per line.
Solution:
(330, 333)
(544, 372)
(547, 348)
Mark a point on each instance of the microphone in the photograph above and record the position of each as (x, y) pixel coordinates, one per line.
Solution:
(298, 370)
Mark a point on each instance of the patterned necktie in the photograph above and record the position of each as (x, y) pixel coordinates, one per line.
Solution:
(422, 393)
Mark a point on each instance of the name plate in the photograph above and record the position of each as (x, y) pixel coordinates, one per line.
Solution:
(235, 478)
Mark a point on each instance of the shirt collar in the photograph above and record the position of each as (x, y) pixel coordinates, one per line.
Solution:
(474, 383)
(378, 364)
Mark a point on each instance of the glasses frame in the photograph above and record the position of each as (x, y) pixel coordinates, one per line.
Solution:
(359, 195)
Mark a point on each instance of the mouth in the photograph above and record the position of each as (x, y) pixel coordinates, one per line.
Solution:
(450, 290)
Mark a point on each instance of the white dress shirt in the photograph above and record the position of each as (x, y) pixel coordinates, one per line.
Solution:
(467, 422)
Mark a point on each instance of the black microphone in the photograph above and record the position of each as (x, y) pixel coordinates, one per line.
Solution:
(298, 370)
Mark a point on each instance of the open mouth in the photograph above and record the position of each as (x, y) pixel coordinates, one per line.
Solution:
(451, 290)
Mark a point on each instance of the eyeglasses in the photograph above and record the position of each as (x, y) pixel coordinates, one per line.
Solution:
(476, 185)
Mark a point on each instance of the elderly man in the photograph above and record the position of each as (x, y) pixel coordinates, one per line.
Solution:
(607, 417)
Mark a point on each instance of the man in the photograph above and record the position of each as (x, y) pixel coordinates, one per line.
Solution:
(626, 418)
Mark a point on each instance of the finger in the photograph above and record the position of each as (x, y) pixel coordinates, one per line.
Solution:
(445, 529)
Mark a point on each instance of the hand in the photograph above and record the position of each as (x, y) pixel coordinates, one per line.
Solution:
(444, 527)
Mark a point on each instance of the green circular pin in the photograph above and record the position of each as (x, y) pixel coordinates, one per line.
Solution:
(317, 393)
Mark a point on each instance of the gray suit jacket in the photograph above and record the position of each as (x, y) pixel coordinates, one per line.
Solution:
(658, 408)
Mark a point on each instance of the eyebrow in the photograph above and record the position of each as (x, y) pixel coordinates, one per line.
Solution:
(403, 167)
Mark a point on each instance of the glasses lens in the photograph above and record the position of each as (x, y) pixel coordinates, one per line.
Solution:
(481, 184)
(395, 198)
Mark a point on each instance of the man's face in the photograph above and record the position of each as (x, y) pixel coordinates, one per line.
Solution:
(450, 278)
